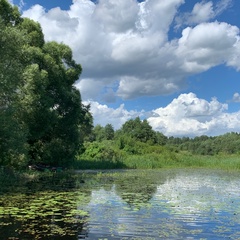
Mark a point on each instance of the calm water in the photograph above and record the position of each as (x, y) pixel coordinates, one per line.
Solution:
(158, 204)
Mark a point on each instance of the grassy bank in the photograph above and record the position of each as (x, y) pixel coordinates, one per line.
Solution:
(224, 162)
(139, 155)
(172, 160)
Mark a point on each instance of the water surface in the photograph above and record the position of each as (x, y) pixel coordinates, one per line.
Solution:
(152, 204)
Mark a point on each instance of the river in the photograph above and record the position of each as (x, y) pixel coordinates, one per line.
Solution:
(132, 204)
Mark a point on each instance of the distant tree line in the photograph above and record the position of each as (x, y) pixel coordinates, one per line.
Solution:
(137, 137)
(228, 143)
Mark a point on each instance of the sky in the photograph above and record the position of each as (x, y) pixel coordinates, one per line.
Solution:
(175, 63)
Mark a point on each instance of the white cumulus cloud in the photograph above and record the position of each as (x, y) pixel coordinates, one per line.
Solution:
(188, 115)
(208, 45)
(126, 42)
(116, 15)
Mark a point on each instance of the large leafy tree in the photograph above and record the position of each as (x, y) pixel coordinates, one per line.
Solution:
(53, 112)
(12, 129)
(37, 89)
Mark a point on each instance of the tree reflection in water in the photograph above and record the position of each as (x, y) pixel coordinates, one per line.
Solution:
(137, 189)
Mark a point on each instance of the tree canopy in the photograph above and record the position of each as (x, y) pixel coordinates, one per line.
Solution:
(139, 130)
(38, 102)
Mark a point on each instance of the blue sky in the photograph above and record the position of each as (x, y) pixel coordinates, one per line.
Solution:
(174, 62)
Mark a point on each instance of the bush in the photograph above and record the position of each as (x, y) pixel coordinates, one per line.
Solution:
(100, 151)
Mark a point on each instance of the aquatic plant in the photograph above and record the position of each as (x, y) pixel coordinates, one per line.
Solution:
(44, 214)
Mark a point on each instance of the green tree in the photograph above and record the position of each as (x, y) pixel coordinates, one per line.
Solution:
(98, 132)
(40, 110)
(161, 139)
(9, 14)
(109, 132)
(33, 32)
(139, 130)
(13, 145)
(53, 111)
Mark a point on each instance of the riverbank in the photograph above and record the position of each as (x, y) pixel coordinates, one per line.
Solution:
(12, 179)
(156, 161)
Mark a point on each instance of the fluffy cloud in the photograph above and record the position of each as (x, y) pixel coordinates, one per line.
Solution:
(188, 115)
(111, 19)
(234, 59)
(159, 14)
(208, 45)
(132, 87)
(126, 42)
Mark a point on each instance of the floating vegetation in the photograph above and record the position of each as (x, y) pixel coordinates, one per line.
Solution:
(45, 213)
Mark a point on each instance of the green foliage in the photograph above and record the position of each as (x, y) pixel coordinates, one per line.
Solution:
(139, 130)
(101, 151)
(228, 143)
(109, 132)
(161, 139)
(11, 66)
(8, 14)
(41, 113)
(98, 133)
(33, 32)
(100, 155)
(13, 146)
(52, 106)
(126, 152)
(133, 151)
(13, 131)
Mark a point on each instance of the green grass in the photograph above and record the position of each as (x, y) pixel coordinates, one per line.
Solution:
(166, 159)
(150, 161)
(225, 162)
